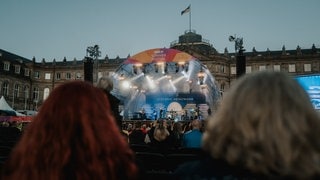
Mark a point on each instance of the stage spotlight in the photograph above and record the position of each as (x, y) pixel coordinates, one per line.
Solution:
(165, 68)
(126, 84)
(136, 68)
(180, 66)
(121, 77)
(201, 77)
(144, 68)
(156, 68)
(162, 67)
(186, 68)
(177, 67)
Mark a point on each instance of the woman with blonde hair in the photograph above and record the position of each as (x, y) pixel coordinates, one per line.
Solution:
(265, 128)
(74, 136)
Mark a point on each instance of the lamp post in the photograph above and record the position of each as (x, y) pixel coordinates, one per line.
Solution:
(25, 99)
(93, 52)
(240, 57)
(13, 98)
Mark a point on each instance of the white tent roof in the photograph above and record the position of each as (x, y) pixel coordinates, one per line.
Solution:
(5, 106)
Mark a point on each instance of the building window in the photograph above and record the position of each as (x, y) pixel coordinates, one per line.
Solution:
(248, 69)
(35, 94)
(5, 88)
(222, 87)
(36, 74)
(26, 72)
(26, 95)
(78, 75)
(17, 69)
(26, 92)
(47, 76)
(16, 90)
(307, 67)
(6, 66)
(292, 68)
(276, 67)
(68, 76)
(222, 68)
(262, 67)
(58, 76)
(233, 70)
(46, 93)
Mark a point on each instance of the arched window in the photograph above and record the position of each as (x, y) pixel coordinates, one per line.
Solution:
(26, 95)
(16, 90)
(46, 93)
(36, 94)
(5, 88)
(26, 92)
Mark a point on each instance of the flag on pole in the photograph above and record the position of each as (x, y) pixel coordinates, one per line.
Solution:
(186, 10)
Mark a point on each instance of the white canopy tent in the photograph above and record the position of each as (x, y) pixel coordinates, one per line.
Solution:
(5, 106)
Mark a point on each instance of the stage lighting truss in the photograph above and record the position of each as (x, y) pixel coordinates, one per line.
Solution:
(153, 76)
(159, 67)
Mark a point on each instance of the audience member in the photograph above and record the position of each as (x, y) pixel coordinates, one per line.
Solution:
(187, 127)
(106, 84)
(161, 138)
(9, 133)
(192, 139)
(127, 129)
(177, 134)
(74, 136)
(137, 136)
(265, 128)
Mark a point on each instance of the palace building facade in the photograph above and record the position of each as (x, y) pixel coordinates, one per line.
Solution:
(26, 83)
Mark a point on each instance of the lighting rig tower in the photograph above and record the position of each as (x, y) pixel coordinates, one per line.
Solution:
(93, 54)
(240, 57)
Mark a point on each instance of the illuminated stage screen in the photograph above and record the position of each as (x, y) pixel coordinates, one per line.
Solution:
(311, 84)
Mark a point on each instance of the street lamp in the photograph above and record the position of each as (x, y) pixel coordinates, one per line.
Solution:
(93, 52)
(240, 58)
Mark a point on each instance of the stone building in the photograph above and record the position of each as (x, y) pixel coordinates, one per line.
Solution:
(223, 65)
(25, 83)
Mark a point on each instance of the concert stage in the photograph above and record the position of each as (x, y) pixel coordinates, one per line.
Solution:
(165, 83)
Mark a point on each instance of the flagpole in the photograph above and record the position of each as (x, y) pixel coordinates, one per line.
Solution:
(190, 18)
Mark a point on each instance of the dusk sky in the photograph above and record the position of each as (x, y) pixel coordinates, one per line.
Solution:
(54, 29)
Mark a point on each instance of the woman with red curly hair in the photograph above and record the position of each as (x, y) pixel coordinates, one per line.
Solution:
(74, 136)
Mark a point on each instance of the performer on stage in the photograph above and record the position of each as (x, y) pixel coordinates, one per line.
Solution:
(154, 114)
(143, 114)
(161, 113)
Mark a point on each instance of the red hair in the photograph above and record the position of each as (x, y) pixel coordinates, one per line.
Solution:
(74, 136)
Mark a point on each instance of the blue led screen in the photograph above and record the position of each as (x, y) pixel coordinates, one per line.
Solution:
(311, 84)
